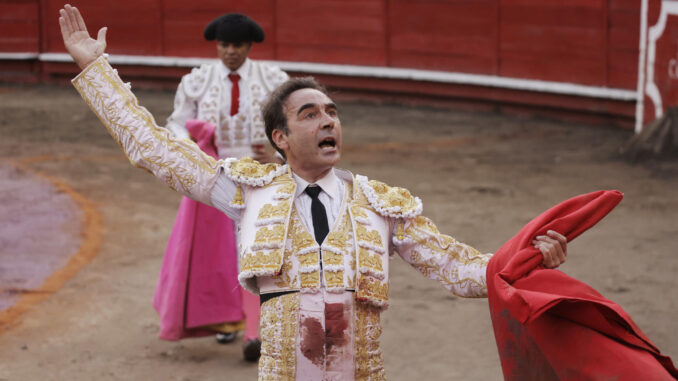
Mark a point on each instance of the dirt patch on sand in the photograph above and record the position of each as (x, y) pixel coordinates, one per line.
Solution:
(40, 231)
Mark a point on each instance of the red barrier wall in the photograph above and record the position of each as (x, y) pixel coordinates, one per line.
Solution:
(585, 42)
(590, 42)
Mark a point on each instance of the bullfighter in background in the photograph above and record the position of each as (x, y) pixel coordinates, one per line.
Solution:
(197, 292)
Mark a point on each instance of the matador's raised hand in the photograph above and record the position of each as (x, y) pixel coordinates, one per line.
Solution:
(77, 41)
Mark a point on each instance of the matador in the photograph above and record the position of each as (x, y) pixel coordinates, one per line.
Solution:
(315, 240)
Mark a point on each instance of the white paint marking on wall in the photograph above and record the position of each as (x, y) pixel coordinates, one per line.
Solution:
(641, 66)
(19, 56)
(655, 32)
(386, 73)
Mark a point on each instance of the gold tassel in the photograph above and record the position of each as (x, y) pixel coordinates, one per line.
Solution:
(400, 234)
(237, 200)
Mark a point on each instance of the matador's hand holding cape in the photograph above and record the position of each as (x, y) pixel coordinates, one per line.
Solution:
(549, 326)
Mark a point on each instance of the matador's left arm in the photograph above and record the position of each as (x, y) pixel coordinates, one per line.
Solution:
(459, 267)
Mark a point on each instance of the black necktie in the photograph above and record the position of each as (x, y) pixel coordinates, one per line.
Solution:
(320, 226)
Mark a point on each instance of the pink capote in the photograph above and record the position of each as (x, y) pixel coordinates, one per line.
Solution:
(198, 283)
(549, 326)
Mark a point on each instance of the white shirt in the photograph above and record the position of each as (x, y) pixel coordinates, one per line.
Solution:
(331, 197)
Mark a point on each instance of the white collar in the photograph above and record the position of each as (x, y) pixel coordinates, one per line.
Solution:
(243, 71)
(329, 184)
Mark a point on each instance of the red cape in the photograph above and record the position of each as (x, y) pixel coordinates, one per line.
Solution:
(549, 326)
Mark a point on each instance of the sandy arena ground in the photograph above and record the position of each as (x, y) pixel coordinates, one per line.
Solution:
(482, 176)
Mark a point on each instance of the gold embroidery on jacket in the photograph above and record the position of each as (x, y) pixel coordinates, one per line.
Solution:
(335, 249)
(425, 233)
(338, 238)
(267, 255)
(301, 238)
(96, 83)
(303, 241)
(310, 280)
(278, 210)
(440, 257)
(359, 198)
(287, 189)
(370, 260)
(400, 234)
(448, 277)
(332, 259)
(284, 279)
(368, 236)
(273, 235)
(334, 278)
(261, 261)
(308, 259)
(237, 198)
(370, 289)
(394, 196)
(358, 212)
(250, 168)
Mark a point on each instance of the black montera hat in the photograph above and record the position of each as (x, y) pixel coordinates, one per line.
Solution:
(234, 27)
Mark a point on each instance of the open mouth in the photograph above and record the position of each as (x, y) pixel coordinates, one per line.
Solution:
(327, 143)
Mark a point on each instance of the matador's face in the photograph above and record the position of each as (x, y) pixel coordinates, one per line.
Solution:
(313, 141)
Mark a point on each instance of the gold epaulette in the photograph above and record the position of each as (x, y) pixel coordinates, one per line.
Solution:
(250, 172)
(390, 201)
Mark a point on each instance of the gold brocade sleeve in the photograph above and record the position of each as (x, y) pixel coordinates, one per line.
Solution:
(179, 163)
(459, 267)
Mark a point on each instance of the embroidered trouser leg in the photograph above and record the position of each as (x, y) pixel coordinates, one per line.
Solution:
(278, 331)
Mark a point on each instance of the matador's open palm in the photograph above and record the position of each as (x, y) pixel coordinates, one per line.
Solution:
(83, 48)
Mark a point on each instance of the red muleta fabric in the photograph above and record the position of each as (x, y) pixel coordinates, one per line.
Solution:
(549, 326)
